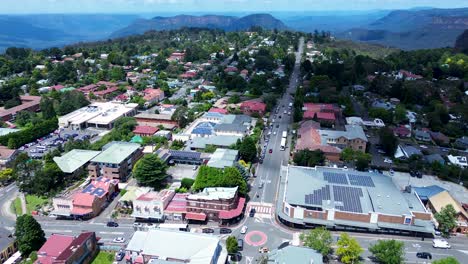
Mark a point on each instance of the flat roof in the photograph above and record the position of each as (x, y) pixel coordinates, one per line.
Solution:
(349, 191)
(294, 254)
(98, 113)
(223, 158)
(74, 159)
(6, 131)
(218, 140)
(214, 193)
(191, 247)
(115, 152)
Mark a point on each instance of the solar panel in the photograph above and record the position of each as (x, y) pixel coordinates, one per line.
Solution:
(185, 154)
(360, 180)
(349, 198)
(334, 177)
(317, 196)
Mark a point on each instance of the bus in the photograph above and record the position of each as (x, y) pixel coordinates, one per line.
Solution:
(285, 134)
(180, 227)
(283, 144)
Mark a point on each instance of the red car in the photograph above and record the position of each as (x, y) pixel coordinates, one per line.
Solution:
(271, 151)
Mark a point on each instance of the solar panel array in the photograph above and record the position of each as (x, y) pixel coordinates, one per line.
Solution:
(318, 196)
(349, 197)
(360, 180)
(185, 154)
(334, 177)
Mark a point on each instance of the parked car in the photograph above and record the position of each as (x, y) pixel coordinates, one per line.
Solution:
(119, 240)
(207, 230)
(263, 250)
(270, 151)
(137, 224)
(225, 231)
(252, 212)
(240, 244)
(244, 230)
(119, 256)
(424, 255)
(387, 160)
(440, 243)
(112, 224)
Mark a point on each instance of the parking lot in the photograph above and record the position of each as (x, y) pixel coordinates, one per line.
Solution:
(180, 171)
(41, 146)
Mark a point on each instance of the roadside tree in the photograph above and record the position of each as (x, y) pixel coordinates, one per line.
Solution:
(447, 219)
(29, 234)
(231, 245)
(319, 239)
(150, 171)
(388, 251)
(348, 249)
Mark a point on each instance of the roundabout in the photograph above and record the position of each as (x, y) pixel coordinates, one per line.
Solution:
(256, 238)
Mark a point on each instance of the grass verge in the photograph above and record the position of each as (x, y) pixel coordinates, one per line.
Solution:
(16, 207)
(104, 258)
(33, 202)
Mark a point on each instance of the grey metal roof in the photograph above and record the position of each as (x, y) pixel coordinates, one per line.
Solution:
(223, 158)
(352, 132)
(295, 255)
(434, 157)
(221, 140)
(74, 159)
(116, 152)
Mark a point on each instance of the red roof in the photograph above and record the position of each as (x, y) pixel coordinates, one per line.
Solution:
(326, 116)
(233, 213)
(107, 91)
(178, 204)
(83, 199)
(145, 130)
(57, 87)
(152, 94)
(255, 106)
(401, 131)
(230, 69)
(218, 110)
(309, 114)
(53, 247)
(196, 216)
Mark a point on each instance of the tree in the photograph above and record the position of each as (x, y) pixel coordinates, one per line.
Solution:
(47, 108)
(309, 158)
(447, 219)
(29, 234)
(348, 249)
(319, 239)
(6, 174)
(187, 183)
(150, 171)
(214, 177)
(447, 260)
(362, 160)
(347, 154)
(248, 150)
(388, 141)
(388, 251)
(231, 245)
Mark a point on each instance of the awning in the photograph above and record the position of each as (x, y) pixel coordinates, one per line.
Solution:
(235, 212)
(196, 216)
(81, 211)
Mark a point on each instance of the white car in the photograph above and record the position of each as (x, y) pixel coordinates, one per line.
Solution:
(244, 230)
(440, 243)
(387, 160)
(274, 132)
(119, 240)
(423, 146)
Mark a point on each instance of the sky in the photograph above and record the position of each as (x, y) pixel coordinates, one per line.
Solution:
(171, 6)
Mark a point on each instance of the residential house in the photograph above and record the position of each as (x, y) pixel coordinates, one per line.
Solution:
(462, 142)
(402, 132)
(176, 57)
(64, 249)
(440, 138)
(216, 204)
(150, 206)
(7, 156)
(115, 161)
(434, 158)
(8, 245)
(437, 202)
(402, 74)
(28, 103)
(145, 131)
(405, 152)
(323, 113)
(152, 96)
(422, 135)
(460, 161)
(253, 106)
(218, 110)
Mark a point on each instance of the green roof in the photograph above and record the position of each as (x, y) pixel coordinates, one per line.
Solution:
(74, 159)
(115, 152)
(136, 139)
(295, 255)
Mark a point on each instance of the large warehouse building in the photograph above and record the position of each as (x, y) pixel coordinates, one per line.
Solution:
(350, 200)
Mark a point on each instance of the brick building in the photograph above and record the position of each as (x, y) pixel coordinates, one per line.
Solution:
(28, 103)
(65, 249)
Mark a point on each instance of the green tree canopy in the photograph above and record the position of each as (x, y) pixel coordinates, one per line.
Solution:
(29, 234)
(388, 251)
(388, 141)
(319, 239)
(248, 150)
(214, 177)
(447, 219)
(231, 245)
(309, 158)
(348, 249)
(447, 260)
(150, 171)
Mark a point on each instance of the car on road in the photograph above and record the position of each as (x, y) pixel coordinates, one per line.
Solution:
(244, 230)
(263, 250)
(270, 151)
(240, 244)
(277, 126)
(224, 230)
(387, 160)
(424, 255)
(119, 240)
(207, 230)
(274, 132)
(260, 186)
(120, 256)
(112, 224)
(137, 224)
(252, 212)
(423, 146)
(381, 151)
(440, 243)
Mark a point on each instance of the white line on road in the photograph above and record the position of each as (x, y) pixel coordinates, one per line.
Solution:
(111, 233)
(57, 231)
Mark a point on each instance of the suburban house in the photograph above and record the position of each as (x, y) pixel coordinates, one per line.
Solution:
(324, 113)
(8, 245)
(176, 57)
(406, 151)
(218, 110)
(215, 204)
(151, 205)
(116, 160)
(460, 161)
(28, 103)
(152, 96)
(402, 132)
(253, 106)
(442, 199)
(407, 75)
(87, 202)
(7, 156)
(462, 142)
(422, 135)
(145, 131)
(62, 249)
(440, 138)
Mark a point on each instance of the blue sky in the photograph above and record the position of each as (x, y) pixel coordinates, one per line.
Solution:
(159, 6)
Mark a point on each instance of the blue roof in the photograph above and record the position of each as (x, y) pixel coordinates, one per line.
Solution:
(427, 192)
(213, 115)
(204, 128)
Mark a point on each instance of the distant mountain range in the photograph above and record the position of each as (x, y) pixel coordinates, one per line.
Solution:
(228, 23)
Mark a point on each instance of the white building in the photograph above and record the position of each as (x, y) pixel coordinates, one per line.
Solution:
(151, 205)
(99, 115)
(460, 161)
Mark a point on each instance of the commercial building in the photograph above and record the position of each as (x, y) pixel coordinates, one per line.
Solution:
(349, 200)
(98, 115)
(294, 255)
(8, 244)
(75, 161)
(155, 120)
(116, 160)
(182, 157)
(441, 200)
(216, 204)
(62, 249)
(28, 103)
(7, 156)
(177, 247)
(151, 205)
(223, 158)
(200, 143)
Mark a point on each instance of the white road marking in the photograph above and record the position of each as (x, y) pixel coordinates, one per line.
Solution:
(248, 260)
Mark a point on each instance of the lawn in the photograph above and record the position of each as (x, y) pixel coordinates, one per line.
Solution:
(16, 206)
(32, 201)
(104, 258)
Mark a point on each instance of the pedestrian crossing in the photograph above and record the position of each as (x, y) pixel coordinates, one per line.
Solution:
(261, 209)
